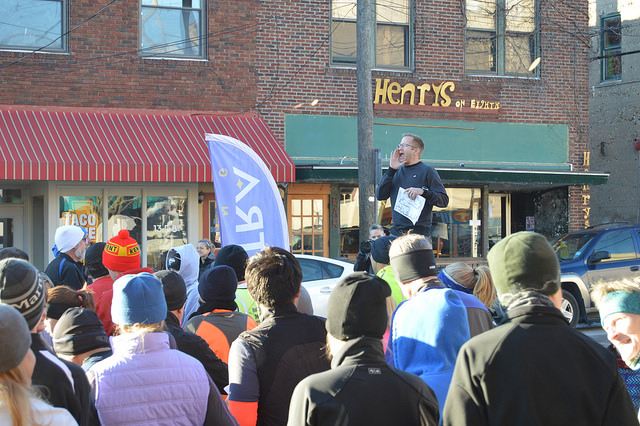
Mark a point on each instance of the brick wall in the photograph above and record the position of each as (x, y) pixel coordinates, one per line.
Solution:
(293, 67)
(104, 69)
(271, 56)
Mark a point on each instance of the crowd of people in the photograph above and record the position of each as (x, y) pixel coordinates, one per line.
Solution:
(409, 344)
(225, 339)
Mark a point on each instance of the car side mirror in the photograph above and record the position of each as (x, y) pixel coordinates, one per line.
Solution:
(599, 256)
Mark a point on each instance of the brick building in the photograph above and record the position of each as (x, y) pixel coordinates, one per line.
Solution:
(102, 124)
(615, 108)
(510, 143)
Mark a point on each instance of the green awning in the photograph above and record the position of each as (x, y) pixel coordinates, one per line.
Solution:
(463, 176)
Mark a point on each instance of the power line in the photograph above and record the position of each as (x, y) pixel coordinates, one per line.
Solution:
(61, 35)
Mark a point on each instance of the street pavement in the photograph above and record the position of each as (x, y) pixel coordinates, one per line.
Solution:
(596, 333)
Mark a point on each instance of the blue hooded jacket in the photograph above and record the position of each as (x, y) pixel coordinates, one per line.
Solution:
(427, 333)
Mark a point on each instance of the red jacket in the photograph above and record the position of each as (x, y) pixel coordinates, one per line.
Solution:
(100, 287)
(103, 294)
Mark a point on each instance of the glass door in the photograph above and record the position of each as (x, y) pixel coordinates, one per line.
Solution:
(309, 235)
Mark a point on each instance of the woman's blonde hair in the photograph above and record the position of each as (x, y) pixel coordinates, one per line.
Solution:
(15, 390)
(140, 328)
(479, 279)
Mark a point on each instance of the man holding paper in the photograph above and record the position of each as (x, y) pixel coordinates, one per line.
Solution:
(414, 188)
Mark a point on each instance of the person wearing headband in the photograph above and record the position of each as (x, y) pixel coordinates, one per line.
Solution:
(414, 266)
(429, 328)
(205, 251)
(535, 369)
(619, 306)
(477, 281)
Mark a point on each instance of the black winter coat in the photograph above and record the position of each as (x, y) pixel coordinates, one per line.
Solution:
(362, 389)
(536, 370)
(205, 264)
(287, 347)
(50, 377)
(70, 274)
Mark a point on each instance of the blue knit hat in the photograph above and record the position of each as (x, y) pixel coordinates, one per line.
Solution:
(138, 299)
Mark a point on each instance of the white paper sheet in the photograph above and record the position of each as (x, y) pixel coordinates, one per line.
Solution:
(407, 207)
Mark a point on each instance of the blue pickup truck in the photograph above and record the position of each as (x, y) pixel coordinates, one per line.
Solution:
(600, 253)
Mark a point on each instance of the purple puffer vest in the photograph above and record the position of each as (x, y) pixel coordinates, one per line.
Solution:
(147, 383)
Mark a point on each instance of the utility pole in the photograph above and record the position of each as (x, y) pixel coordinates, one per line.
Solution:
(366, 185)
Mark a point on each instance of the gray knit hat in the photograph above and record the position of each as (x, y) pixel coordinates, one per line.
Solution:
(524, 261)
(21, 287)
(13, 329)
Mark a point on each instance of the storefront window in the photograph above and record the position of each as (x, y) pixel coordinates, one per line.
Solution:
(10, 196)
(125, 212)
(350, 221)
(306, 225)
(456, 229)
(84, 211)
(166, 228)
(6, 232)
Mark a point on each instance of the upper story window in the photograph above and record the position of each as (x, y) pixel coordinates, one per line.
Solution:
(392, 33)
(172, 28)
(501, 37)
(611, 47)
(33, 24)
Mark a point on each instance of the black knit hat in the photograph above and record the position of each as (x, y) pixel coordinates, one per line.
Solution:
(79, 330)
(234, 256)
(218, 286)
(93, 255)
(93, 261)
(358, 307)
(21, 287)
(380, 249)
(175, 290)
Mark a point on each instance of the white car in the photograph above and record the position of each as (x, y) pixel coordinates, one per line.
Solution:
(319, 276)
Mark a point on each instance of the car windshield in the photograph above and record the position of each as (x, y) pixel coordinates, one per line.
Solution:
(569, 247)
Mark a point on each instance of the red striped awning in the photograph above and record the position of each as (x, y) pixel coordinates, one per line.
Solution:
(42, 143)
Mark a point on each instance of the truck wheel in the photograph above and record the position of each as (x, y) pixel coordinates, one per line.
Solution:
(570, 308)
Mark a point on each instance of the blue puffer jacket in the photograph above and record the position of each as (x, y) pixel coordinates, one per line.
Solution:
(427, 333)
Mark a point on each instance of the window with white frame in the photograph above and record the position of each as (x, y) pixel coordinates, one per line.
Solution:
(392, 33)
(172, 28)
(33, 24)
(611, 47)
(501, 37)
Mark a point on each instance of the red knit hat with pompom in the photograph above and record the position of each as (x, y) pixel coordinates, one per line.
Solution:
(122, 253)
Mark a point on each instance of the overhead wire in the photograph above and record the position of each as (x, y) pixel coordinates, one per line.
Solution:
(102, 9)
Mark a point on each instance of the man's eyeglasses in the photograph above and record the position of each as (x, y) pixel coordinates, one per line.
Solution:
(405, 146)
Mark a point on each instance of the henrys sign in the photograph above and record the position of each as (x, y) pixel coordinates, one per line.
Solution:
(250, 210)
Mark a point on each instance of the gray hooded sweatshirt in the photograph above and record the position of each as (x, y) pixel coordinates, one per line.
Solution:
(189, 269)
